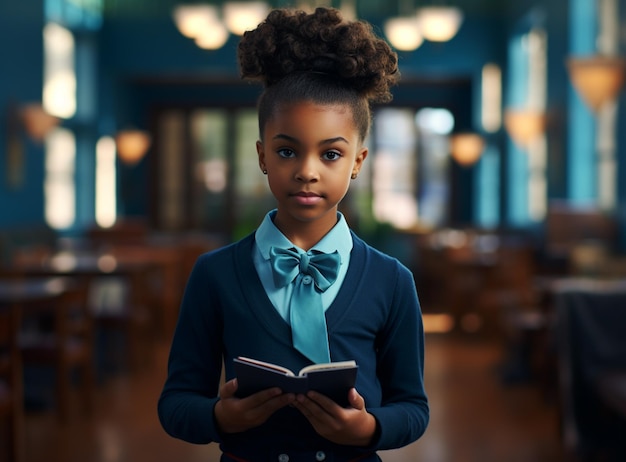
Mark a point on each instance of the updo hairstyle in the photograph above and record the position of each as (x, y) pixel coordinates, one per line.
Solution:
(318, 57)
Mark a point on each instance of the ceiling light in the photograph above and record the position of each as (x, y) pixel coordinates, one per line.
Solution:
(212, 37)
(439, 23)
(243, 16)
(403, 33)
(192, 20)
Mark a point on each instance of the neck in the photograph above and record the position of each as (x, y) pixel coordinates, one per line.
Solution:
(305, 234)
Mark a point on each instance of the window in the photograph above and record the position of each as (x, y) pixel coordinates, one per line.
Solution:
(171, 179)
(62, 50)
(608, 45)
(106, 197)
(59, 183)
(537, 152)
(59, 99)
(410, 166)
(208, 175)
(526, 165)
(59, 88)
(252, 193)
(394, 168)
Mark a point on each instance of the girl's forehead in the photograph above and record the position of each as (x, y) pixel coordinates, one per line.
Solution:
(312, 106)
(304, 115)
(297, 112)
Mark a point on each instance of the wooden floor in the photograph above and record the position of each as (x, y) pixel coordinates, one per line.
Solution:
(474, 418)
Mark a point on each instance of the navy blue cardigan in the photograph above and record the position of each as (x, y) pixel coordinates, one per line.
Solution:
(375, 319)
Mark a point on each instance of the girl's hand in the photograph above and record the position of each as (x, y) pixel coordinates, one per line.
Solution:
(235, 415)
(350, 426)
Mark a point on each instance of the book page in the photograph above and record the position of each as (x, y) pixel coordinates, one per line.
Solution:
(327, 366)
(275, 367)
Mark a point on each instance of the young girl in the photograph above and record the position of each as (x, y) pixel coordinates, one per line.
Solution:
(320, 74)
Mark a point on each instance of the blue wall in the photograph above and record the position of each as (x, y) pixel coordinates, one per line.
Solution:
(139, 54)
(21, 67)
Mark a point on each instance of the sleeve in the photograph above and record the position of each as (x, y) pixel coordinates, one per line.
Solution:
(190, 392)
(404, 412)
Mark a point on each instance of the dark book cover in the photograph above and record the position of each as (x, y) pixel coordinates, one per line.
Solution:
(333, 379)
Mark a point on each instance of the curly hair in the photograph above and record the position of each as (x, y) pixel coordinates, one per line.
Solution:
(318, 57)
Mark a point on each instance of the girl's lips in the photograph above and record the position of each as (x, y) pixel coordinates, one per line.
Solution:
(307, 198)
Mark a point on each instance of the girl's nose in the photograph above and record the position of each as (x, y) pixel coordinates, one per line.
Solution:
(307, 170)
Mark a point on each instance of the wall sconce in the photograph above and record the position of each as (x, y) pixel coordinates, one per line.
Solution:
(466, 148)
(242, 16)
(132, 145)
(37, 122)
(439, 23)
(31, 119)
(597, 79)
(524, 125)
(403, 33)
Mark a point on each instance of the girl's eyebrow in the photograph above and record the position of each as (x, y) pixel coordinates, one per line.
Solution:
(282, 136)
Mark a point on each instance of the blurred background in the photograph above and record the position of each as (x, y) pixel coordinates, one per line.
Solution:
(496, 174)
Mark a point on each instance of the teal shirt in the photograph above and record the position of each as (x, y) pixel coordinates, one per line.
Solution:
(268, 235)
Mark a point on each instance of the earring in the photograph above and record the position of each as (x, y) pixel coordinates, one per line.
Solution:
(353, 176)
(264, 172)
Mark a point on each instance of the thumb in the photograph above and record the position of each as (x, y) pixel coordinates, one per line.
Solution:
(355, 400)
(228, 389)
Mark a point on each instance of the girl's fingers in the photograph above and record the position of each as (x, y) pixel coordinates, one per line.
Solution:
(356, 400)
(228, 389)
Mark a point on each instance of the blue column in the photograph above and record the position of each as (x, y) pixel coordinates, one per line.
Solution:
(487, 188)
(516, 166)
(581, 150)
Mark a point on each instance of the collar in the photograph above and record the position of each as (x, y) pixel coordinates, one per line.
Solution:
(338, 238)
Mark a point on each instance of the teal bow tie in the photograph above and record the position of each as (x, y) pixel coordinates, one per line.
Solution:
(310, 271)
(289, 263)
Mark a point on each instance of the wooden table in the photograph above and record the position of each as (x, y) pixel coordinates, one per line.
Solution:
(90, 267)
(612, 388)
(151, 276)
(19, 296)
(119, 298)
(17, 291)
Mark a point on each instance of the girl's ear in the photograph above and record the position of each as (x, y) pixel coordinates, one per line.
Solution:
(358, 162)
(260, 150)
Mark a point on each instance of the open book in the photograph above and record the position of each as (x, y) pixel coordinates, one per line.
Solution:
(331, 379)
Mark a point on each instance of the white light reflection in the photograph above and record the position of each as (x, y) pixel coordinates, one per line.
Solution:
(59, 91)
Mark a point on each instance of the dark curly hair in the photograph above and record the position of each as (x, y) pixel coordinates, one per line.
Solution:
(318, 57)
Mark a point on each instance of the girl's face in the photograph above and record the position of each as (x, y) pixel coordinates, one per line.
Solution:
(310, 153)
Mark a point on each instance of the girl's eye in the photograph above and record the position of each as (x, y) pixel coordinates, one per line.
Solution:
(332, 155)
(285, 152)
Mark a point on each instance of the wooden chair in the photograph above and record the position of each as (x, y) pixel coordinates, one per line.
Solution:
(591, 334)
(515, 315)
(124, 315)
(11, 399)
(159, 284)
(61, 334)
(512, 290)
